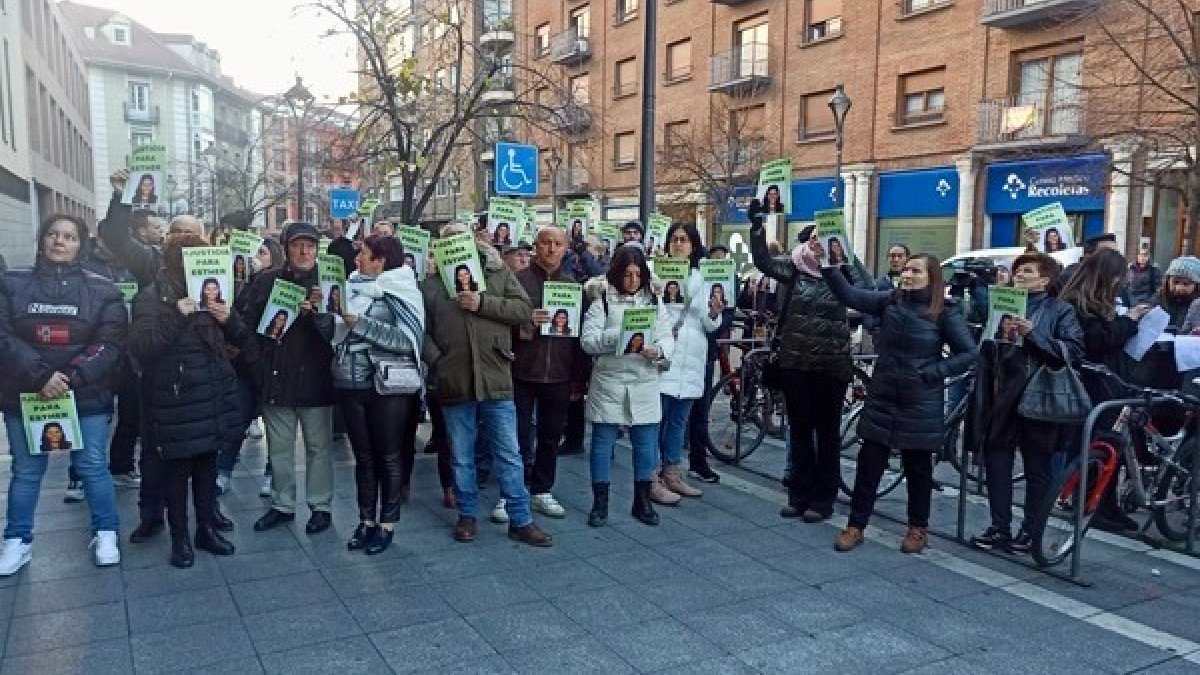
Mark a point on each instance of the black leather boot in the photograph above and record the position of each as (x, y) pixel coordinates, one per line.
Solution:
(643, 508)
(220, 521)
(182, 554)
(598, 517)
(208, 539)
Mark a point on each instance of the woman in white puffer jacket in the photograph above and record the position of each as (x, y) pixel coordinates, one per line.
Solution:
(683, 383)
(623, 390)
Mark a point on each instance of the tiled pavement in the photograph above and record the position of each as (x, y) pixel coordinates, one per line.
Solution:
(722, 586)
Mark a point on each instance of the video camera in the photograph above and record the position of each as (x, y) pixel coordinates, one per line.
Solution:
(970, 273)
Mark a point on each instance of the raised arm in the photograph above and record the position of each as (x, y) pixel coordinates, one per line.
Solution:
(866, 301)
(141, 260)
(777, 268)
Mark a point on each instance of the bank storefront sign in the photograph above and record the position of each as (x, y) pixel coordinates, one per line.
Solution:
(1079, 183)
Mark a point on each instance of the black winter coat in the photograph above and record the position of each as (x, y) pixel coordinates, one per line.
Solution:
(1004, 370)
(905, 406)
(1144, 282)
(142, 261)
(539, 358)
(297, 371)
(814, 334)
(188, 383)
(60, 317)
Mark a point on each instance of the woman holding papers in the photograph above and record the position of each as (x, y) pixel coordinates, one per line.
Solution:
(190, 392)
(905, 400)
(1050, 335)
(624, 388)
(690, 323)
(61, 330)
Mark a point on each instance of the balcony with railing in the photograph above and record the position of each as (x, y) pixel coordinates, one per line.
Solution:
(147, 115)
(570, 48)
(1019, 13)
(498, 28)
(499, 88)
(743, 69)
(1034, 120)
(572, 180)
(491, 135)
(571, 117)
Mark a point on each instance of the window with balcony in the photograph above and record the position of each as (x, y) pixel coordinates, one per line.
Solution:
(922, 97)
(679, 61)
(139, 96)
(541, 40)
(627, 10)
(822, 20)
(624, 150)
(581, 21)
(625, 78)
(578, 89)
(816, 119)
(1050, 87)
(750, 42)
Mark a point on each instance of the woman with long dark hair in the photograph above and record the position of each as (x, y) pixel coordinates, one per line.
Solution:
(464, 280)
(382, 325)
(54, 438)
(210, 293)
(1050, 335)
(906, 397)
(624, 389)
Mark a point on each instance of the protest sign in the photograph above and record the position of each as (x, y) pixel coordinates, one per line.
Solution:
(457, 261)
(51, 423)
(564, 302)
(209, 275)
(283, 306)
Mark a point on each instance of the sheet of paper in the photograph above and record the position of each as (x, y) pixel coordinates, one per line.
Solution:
(1150, 327)
(1187, 352)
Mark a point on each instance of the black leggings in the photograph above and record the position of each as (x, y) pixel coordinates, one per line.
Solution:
(201, 471)
(437, 439)
(814, 406)
(1039, 441)
(376, 426)
(918, 475)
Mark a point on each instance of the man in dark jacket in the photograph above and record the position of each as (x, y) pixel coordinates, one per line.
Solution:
(296, 386)
(1145, 278)
(468, 344)
(542, 372)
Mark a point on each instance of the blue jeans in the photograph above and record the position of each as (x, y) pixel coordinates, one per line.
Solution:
(493, 423)
(675, 412)
(90, 464)
(643, 437)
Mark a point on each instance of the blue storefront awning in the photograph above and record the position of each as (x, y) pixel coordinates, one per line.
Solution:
(1017, 187)
(808, 196)
(924, 193)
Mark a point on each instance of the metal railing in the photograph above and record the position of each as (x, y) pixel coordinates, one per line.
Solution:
(570, 46)
(1031, 117)
(148, 115)
(498, 22)
(1015, 12)
(909, 7)
(571, 116)
(742, 65)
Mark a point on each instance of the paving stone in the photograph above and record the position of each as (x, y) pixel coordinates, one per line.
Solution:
(347, 656)
(299, 626)
(659, 644)
(51, 630)
(431, 646)
(101, 658)
(268, 595)
(740, 625)
(579, 656)
(163, 579)
(63, 594)
(196, 646)
(485, 593)
(519, 626)
(600, 611)
(246, 665)
(264, 564)
(164, 612)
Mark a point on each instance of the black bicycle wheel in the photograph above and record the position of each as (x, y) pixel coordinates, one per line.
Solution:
(1173, 519)
(1051, 526)
(728, 411)
(893, 475)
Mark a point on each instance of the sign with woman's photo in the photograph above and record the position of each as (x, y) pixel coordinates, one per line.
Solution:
(673, 273)
(506, 219)
(529, 230)
(578, 218)
(416, 248)
(564, 302)
(457, 261)
(831, 233)
(209, 274)
(610, 235)
(331, 274)
(1052, 226)
(719, 283)
(51, 424)
(147, 177)
(637, 329)
(656, 233)
(1005, 304)
(243, 247)
(774, 181)
(283, 306)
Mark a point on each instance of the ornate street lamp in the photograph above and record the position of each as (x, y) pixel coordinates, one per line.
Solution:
(840, 104)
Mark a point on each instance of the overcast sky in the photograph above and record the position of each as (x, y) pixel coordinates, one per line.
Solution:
(262, 42)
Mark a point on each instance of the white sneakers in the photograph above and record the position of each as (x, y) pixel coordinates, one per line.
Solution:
(255, 431)
(105, 548)
(547, 505)
(14, 556)
(500, 513)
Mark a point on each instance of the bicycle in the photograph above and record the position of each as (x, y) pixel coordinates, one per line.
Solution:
(1158, 475)
(741, 411)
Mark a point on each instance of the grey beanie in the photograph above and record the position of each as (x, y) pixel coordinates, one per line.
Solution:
(1187, 267)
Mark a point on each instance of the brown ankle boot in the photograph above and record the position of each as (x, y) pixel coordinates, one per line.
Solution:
(914, 540)
(848, 539)
(659, 494)
(672, 477)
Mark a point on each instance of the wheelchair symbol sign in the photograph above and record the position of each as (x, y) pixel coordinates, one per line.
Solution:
(516, 169)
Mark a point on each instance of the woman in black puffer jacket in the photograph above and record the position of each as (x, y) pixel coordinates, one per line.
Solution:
(813, 343)
(905, 408)
(191, 393)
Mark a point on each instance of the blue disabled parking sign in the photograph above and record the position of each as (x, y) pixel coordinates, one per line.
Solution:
(516, 169)
(343, 202)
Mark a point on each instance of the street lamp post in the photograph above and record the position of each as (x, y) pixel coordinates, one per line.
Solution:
(553, 161)
(840, 104)
(299, 97)
(455, 184)
(211, 153)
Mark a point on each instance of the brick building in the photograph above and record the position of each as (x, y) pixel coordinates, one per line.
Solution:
(966, 113)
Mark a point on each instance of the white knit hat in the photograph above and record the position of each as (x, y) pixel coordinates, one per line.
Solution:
(1187, 267)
